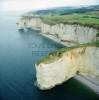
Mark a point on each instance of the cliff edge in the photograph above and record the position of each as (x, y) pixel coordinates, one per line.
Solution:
(59, 67)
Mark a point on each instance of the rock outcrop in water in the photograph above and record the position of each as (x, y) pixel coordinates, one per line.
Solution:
(66, 34)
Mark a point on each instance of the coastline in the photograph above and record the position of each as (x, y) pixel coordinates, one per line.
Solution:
(86, 80)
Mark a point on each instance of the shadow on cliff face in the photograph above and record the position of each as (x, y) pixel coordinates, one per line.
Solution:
(70, 90)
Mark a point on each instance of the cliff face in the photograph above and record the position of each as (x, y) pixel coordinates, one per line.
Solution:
(66, 34)
(83, 61)
(33, 23)
(75, 33)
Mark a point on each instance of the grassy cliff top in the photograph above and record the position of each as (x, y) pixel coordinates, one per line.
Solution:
(90, 19)
(58, 53)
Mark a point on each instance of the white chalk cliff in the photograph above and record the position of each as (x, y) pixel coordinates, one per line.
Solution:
(83, 61)
(66, 34)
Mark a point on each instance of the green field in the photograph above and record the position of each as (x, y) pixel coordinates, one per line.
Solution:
(90, 19)
(58, 53)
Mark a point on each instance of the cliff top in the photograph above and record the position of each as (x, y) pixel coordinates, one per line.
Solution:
(90, 19)
(58, 53)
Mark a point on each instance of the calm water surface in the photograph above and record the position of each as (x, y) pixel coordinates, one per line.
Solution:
(19, 52)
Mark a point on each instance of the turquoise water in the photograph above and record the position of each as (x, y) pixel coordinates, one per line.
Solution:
(19, 51)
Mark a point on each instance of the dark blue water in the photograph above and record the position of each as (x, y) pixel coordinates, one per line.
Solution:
(19, 51)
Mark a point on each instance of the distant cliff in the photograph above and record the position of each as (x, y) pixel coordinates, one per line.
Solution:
(66, 34)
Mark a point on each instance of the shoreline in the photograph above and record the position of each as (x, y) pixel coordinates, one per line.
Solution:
(53, 38)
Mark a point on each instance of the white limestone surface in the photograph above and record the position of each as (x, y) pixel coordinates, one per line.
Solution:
(80, 60)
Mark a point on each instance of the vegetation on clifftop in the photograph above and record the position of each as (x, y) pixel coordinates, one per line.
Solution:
(90, 19)
(58, 53)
